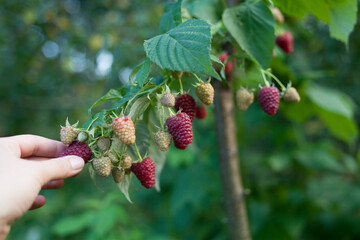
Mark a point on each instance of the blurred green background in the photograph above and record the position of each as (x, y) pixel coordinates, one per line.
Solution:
(58, 57)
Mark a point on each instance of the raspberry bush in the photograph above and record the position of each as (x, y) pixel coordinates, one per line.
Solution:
(130, 128)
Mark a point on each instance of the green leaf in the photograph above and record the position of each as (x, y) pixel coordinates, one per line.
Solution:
(171, 17)
(342, 18)
(335, 109)
(139, 107)
(158, 156)
(125, 184)
(339, 15)
(112, 94)
(144, 72)
(92, 173)
(73, 224)
(331, 100)
(252, 26)
(185, 48)
(208, 10)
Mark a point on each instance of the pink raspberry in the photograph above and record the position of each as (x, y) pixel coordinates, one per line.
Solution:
(186, 103)
(80, 149)
(145, 172)
(180, 128)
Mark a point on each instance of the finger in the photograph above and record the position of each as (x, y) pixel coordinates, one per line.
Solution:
(59, 168)
(40, 201)
(56, 184)
(31, 145)
(37, 158)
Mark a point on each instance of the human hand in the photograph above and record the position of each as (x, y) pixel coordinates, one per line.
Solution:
(29, 164)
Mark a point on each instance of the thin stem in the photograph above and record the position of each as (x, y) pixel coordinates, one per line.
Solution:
(200, 81)
(160, 119)
(264, 78)
(137, 151)
(276, 79)
(181, 86)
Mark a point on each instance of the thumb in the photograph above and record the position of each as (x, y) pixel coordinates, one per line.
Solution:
(60, 168)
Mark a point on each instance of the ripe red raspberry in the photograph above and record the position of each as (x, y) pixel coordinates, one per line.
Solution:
(205, 93)
(124, 129)
(269, 99)
(180, 145)
(80, 149)
(285, 42)
(180, 129)
(186, 103)
(201, 112)
(145, 172)
(229, 66)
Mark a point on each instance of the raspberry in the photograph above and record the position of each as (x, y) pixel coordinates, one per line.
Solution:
(244, 99)
(229, 65)
(113, 157)
(201, 112)
(278, 16)
(168, 100)
(180, 129)
(291, 95)
(186, 103)
(124, 129)
(68, 134)
(285, 42)
(80, 149)
(269, 99)
(145, 172)
(180, 145)
(163, 140)
(118, 174)
(103, 144)
(205, 93)
(102, 166)
(82, 137)
(126, 161)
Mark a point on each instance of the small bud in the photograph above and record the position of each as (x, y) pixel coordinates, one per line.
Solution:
(82, 137)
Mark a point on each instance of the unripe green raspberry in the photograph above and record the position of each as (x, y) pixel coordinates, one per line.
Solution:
(82, 137)
(163, 140)
(113, 157)
(103, 144)
(102, 166)
(68, 134)
(124, 129)
(126, 161)
(118, 174)
(168, 100)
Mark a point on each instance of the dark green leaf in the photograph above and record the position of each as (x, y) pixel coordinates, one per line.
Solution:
(143, 72)
(73, 224)
(185, 48)
(208, 10)
(112, 94)
(252, 26)
(171, 17)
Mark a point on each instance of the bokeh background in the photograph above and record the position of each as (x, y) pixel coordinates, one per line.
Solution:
(58, 57)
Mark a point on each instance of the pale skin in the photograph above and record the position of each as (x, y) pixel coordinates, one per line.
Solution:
(28, 164)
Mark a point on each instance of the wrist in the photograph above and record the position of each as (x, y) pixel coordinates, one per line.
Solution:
(4, 228)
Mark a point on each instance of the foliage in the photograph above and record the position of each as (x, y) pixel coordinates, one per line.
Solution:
(300, 166)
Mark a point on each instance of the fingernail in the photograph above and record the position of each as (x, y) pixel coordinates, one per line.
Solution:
(76, 163)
